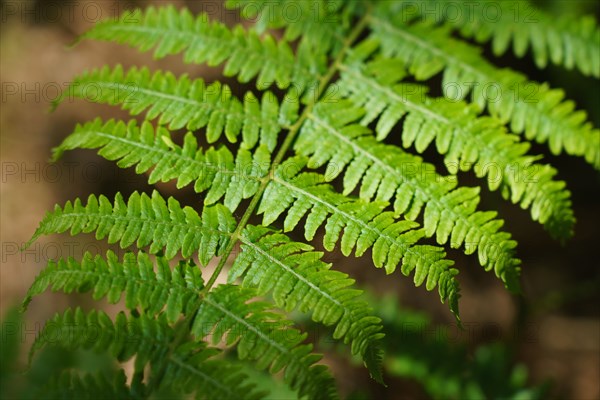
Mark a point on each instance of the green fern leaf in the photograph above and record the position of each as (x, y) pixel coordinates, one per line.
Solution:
(467, 141)
(246, 54)
(187, 103)
(383, 171)
(562, 40)
(180, 291)
(177, 290)
(215, 171)
(337, 126)
(186, 367)
(364, 225)
(391, 254)
(228, 314)
(532, 108)
(71, 385)
(297, 278)
(145, 221)
(318, 23)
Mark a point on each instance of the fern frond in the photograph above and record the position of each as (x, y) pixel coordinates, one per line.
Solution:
(532, 108)
(176, 290)
(336, 70)
(562, 39)
(72, 385)
(182, 102)
(186, 367)
(145, 221)
(426, 259)
(266, 337)
(297, 278)
(215, 171)
(319, 23)
(246, 54)
(301, 281)
(180, 291)
(466, 140)
(383, 171)
(364, 225)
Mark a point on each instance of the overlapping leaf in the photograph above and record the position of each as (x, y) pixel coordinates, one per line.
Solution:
(146, 221)
(185, 367)
(357, 225)
(246, 54)
(319, 24)
(532, 108)
(561, 39)
(182, 102)
(258, 334)
(384, 172)
(72, 385)
(214, 171)
(176, 290)
(297, 278)
(466, 140)
(263, 336)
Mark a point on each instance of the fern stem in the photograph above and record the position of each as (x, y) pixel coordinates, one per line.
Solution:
(291, 136)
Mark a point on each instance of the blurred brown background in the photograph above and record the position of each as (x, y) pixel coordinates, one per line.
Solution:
(555, 324)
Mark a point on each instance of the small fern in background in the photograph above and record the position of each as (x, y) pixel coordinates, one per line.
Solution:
(330, 86)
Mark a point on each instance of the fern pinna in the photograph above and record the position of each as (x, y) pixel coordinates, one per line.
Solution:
(340, 79)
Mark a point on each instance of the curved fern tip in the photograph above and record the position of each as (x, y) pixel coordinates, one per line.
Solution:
(57, 153)
(36, 235)
(75, 42)
(373, 361)
(25, 304)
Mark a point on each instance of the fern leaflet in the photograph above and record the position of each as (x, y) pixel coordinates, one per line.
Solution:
(71, 385)
(176, 290)
(153, 343)
(246, 55)
(214, 171)
(187, 103)
(318, 24)
(145, 221)
(224, 309)
(385, 171)
(364, 225)
(564, 40)
(296, 277)
(530, 107)
(228, 314)
(467, 141)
